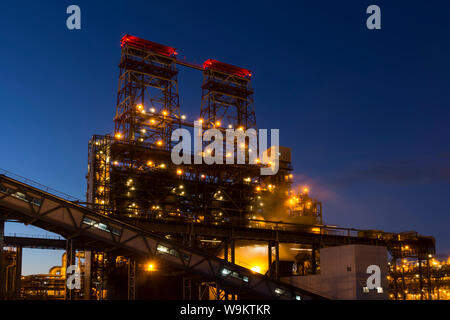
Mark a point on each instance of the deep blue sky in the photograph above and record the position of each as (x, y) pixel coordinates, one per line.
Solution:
(366, 112)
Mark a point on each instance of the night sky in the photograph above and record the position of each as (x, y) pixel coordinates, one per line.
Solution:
(365, 112)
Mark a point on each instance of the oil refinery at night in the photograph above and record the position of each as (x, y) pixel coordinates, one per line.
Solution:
(151, 229)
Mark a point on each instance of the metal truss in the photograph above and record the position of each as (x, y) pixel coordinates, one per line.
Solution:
(42, 209)
(147, 86)
(227, 98)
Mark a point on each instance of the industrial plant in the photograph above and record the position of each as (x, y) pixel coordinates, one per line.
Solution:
(152, 229)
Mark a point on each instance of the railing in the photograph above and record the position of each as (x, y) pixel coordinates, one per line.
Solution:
(252, 223)
(318, 229)
(34, 236)
(38, 185)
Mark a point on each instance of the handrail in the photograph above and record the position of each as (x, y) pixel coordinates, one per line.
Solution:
(33, 236)
(60, 194)
(275, 225)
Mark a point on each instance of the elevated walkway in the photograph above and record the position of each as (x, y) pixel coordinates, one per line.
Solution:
(32, 205)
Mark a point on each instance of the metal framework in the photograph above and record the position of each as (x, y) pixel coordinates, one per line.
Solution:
(227, 97)
(36, 207)
(147, 84)
(137, 198)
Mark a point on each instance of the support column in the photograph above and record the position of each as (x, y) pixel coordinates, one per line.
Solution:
(403, 281)
(87, 275)
(277, 260)
(18, 282)
(277, 257)
(269, 258)
(394, 275)
(225, 249)
(313, 259)
(2, 260)
(420, 279)
(217, 291)
(70, 260)
(429, 279)
(131, 280)
(232, 248)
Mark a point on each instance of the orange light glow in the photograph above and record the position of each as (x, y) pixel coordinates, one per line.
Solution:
(256, 269)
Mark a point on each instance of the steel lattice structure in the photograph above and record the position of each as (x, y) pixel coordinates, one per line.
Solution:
(147, 84)
(227, 96)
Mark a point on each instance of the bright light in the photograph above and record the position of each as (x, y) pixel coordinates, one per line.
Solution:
(151, 267)
(218, 123)
(159, 143)
(183, 117)
(200, 120)
(256, 269)
(149, 163)
(152, 110)
(179, 172)
(305, 189)
(230, 126)
(164, 113)
(139, 106)
(118, 135)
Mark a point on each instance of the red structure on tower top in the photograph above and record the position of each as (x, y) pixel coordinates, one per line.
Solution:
(226, 68)
(148, 45)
